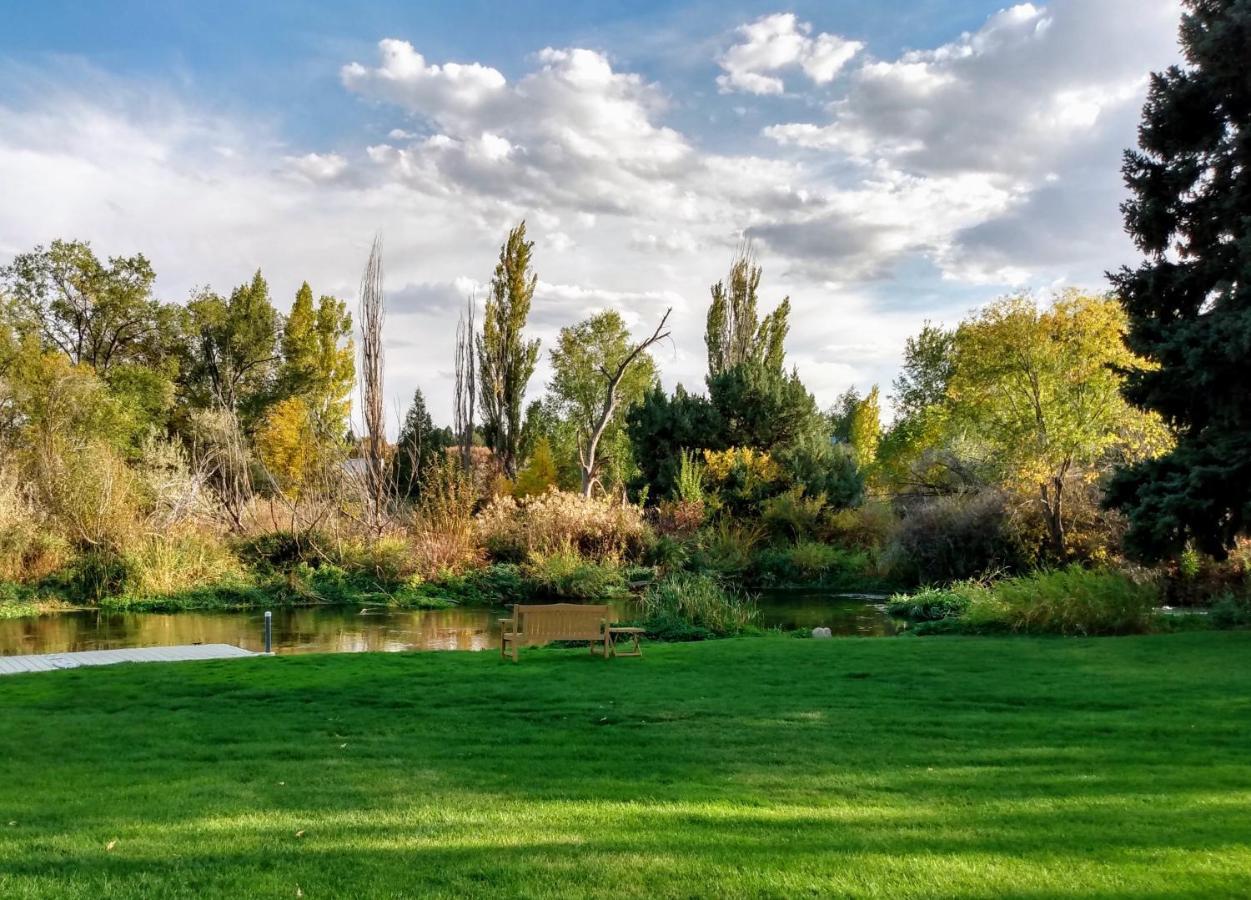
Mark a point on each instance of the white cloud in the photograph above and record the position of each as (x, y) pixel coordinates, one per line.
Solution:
(318, 166)
(402, 77)
(776, 42)
(929, 182)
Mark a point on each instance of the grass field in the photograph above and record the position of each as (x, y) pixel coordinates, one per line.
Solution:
(771, 766)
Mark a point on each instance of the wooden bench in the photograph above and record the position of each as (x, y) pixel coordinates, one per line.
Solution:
(533, 625)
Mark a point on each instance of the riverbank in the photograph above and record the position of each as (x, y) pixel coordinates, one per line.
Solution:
(908, 767)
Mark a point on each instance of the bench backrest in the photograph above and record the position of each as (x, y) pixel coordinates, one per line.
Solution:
(540, 623)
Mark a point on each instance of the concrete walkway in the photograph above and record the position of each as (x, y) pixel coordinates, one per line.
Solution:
(48, 662)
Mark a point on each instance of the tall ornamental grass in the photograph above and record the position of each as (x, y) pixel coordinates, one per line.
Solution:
(1071, 601)
(596, 528)
(688, 606)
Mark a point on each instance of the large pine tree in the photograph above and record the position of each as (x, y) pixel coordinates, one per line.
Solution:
(1189, 302)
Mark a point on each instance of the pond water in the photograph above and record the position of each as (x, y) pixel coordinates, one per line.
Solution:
(339, 629)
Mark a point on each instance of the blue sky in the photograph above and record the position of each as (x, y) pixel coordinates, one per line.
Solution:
(891, 162)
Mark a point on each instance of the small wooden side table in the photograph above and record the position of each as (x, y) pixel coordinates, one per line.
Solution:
(635, 635)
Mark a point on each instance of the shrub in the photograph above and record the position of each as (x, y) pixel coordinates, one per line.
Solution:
(931, 604)
(680, 518)
(667, 553)
(1231, 611)
(728, 548)
(866, 527)
(793, 515)
(1067, 601)
(17, 601)
(501, 584)
(565, 575)
(99, 573)
(811, 563)
(693, 607)
(1196, 579)
(170, 563)
(596, 528)
(741, 478)
(28, 550)
(689, 486)
(956, 537)
(282, 550)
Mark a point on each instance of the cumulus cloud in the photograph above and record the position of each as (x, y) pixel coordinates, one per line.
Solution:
(776, 42)
(927, 183)
(1035, 91)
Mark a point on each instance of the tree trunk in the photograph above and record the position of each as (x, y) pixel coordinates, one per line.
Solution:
(588, 460)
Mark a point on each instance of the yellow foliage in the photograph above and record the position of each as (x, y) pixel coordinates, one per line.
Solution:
(757, 464)
(287, 444)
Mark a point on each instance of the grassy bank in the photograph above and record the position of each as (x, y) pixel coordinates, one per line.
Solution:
(984, 767)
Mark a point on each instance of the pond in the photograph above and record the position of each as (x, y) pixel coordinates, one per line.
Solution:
(350, 629)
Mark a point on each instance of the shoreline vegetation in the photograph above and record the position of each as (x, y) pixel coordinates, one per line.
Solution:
(204, 458)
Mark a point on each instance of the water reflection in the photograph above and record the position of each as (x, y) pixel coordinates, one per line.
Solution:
(336, 629)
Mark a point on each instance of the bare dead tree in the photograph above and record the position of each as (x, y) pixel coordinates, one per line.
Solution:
(588, 449)
(374, 446)
(466, 382)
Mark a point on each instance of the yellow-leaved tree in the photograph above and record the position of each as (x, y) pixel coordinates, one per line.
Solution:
(286, 442)
(1039, 387)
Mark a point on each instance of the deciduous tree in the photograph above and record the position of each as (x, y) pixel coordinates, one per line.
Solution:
(599, 374)
(735, 334)
(505, 359)
(1040, 388)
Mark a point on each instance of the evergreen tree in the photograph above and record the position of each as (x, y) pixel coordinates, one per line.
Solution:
(1189, 302)
(505, 360)
(661, 427)
(418, 449)
(762, 408)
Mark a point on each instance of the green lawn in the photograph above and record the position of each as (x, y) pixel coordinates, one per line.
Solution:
(770, 766)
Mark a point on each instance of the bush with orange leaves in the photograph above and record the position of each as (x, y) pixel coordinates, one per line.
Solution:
(596, 528)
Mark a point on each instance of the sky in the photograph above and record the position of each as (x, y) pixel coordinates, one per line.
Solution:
(890, 163)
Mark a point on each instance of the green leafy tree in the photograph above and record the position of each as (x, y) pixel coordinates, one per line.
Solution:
(735, 334)
(598, 375)
(1040, 388)
(1189, 302)
(926, 371)
(505, 359)
(97, 314)
(232, 350)
(319, 359)
(918, 454)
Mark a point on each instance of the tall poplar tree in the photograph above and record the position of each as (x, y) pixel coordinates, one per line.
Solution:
(735, 334)
(1189, 302)
(505, 359)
